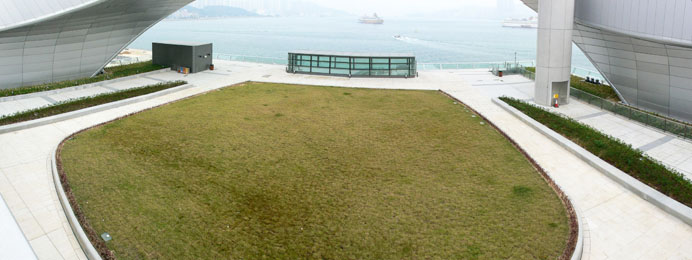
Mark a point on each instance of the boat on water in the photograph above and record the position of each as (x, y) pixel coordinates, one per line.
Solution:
(374, 19)
(531, 23)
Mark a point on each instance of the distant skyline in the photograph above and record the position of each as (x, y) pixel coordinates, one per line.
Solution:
(407, 7)
(387, 8)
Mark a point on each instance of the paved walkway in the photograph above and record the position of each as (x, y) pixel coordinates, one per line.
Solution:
(671, 150)
(621, 225)
(49, 98)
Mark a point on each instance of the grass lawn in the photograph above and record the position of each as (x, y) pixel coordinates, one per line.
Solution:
(272, 171)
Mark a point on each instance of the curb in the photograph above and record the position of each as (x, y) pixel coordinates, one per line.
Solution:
(85, 86)
(642, 190)
(88, 249)
(86, 111)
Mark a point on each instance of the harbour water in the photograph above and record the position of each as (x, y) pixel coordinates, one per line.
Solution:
(432, 41)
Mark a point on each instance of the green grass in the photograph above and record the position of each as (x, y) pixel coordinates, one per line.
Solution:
(109, 73)
(602, 91)
(77, 104)
(613, 151)
(272, 171)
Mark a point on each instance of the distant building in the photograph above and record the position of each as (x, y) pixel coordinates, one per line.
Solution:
(643, 48)
(264, 7)
(53, 40)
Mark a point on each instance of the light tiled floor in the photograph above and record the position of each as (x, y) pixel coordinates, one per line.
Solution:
(621, 225)
(676, 153)
(24, 104)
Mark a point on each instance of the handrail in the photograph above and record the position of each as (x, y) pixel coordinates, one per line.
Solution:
(254, 59)
(579, 71)
(662, 123)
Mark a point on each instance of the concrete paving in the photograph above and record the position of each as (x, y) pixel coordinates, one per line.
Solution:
(621, 225)
(673, 151)
(24, 104)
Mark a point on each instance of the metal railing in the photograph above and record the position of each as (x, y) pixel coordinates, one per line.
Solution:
(425, 66)
(126, 60)
(576, 71)
(470, 65)
(420, 66)
(665, 124)
(253, 59)
(582, 72)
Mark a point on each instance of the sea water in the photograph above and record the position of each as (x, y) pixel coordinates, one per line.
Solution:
(431, 40)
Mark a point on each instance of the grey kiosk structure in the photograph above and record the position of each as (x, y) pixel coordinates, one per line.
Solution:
(195, 56)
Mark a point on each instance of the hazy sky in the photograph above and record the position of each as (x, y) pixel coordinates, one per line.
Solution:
(404, 7)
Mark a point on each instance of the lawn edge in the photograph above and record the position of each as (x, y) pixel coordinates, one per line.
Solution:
(95, 248)
(574, 247)
(92, 245)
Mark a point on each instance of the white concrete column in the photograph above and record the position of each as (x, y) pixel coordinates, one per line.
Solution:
(554, 53)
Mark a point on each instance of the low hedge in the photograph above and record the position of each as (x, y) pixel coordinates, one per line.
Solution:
(602, 91)
(85, 102)
(108, 73)
(613, 151)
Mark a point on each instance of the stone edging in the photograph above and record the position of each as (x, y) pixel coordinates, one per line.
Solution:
(79, 233)
(86, 111)
(85, 86)
(575, 244)
(576, 227)
(642, 190)
(61, 183)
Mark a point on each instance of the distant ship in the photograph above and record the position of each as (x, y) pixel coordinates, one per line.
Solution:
(374, 19)
(531, 22)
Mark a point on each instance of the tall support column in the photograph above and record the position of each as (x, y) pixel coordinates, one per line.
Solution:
(554, 55)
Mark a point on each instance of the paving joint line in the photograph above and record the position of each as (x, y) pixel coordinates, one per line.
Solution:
(49, 99)
(152, 78)
(110, 88)
(656, 143)
(597, 114)
(217, 73)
